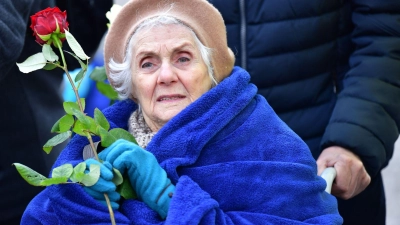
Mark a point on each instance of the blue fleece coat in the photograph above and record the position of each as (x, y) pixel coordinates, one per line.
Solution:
(233, 161)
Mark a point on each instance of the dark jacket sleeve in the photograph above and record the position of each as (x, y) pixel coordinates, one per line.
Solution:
(13, 19)
(366, 117)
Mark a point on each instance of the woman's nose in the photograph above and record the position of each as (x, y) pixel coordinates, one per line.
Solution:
(167, 74)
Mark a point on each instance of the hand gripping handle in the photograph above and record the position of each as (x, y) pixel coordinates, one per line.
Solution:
(329, 175)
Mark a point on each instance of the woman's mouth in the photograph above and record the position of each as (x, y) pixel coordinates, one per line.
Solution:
(170, 98)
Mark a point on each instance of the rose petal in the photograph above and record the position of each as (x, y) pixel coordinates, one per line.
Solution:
(52, 23)
(33, 22)
(42, 30)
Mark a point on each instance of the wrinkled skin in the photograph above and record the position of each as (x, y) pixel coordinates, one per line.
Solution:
(351, 179)
(168, 73)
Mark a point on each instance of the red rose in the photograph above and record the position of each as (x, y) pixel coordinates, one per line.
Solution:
(48, 24)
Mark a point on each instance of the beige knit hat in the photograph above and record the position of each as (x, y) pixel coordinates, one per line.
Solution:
(204, 19)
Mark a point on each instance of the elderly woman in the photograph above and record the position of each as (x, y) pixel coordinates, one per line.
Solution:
(211, 151)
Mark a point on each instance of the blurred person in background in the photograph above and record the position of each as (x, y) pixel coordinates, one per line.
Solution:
(32, 103)
(331, 71)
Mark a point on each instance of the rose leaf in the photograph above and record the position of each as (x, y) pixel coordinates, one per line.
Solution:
(32, 177)
(80, 75)
(125, 189)
(59, 138)
(69, 107)
(117, 179)
(54, 180)
(79, 128)
(32, 63)
(75, 46)
(98, 74)
(66, 123)
(107, 90)
(51, 66)
(100, 119)
(119, 133)
(65, 170)
(79, 172)
(92, 177)
(106, 138)
(86, 121)
(63, 124)
(49, 53)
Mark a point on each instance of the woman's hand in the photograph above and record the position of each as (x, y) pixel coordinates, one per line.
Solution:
(351, 178)
(148, 179)
(103, 185)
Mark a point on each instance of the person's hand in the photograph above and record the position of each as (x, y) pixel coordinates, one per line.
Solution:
(351, 178)
(103, 185)
(148, 179)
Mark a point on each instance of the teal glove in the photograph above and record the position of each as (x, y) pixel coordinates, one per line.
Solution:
(103, 185)
(148, 179)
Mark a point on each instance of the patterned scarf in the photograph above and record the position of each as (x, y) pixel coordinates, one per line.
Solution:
(139, 129)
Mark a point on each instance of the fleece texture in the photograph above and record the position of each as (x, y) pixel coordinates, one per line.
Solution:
(233, 161)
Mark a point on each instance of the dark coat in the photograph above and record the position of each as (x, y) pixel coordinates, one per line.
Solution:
(330, 69)
(31, 103)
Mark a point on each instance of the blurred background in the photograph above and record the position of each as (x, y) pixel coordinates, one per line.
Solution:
(391, 180)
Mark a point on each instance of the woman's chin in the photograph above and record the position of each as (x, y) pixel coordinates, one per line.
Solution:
(167, 114)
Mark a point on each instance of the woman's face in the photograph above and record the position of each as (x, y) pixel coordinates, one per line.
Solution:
(168, 72)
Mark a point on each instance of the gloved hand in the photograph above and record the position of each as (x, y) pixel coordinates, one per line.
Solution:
(148, 179)
(103, 185)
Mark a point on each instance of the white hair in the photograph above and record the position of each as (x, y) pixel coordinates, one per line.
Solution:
(120, 73)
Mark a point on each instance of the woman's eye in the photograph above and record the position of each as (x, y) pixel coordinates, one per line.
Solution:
(183, 59)
(147, 65)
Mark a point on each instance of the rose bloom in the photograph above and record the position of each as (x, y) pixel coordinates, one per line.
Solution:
(47, 23)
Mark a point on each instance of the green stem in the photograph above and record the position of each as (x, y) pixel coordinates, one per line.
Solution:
(110, 210)
(58, 44)
(89, 137)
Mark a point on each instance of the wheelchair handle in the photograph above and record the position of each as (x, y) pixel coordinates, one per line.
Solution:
(329, 175)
